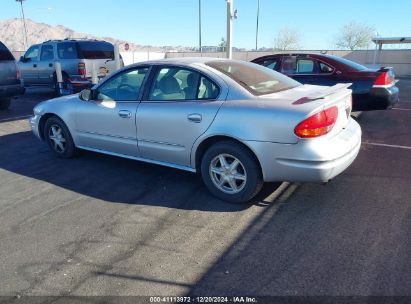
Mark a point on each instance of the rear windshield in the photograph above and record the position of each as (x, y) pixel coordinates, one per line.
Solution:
(350, 63)
(95, 50)
(5, 54)
(258, 80)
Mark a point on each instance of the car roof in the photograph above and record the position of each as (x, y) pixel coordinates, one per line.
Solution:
(185, 60)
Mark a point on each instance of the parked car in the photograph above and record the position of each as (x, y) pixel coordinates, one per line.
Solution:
(10, 84)
(237, 123)
(77, 58)
(373, 89)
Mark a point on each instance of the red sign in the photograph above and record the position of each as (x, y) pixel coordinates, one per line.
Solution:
(126, 46)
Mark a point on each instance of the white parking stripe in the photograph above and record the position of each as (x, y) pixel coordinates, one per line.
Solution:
(386, 145)
(401, 109)
(15, 118)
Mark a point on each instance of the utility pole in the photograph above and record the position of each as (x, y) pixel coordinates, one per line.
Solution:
(229, 28)
(24, 23)
(199, 25)
(256, 31)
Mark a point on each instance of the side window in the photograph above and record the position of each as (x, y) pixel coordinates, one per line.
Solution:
(123, 87)
(32, 53)
(305, 66)
(207, 89)
(269, 63)
(46, 52)
(67, 50)
(182, 84)
(289, 66)
(325, 69)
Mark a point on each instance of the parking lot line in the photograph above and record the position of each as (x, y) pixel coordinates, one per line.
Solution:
(386, 145)
(401, 109)
(15, 118)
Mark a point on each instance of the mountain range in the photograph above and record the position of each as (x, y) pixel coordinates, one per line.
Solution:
(12, 35)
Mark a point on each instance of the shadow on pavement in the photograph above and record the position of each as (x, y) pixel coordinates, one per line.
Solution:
(112, 179)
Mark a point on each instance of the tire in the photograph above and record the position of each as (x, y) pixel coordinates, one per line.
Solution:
(239, 167)
(5, 103)
(62, 145)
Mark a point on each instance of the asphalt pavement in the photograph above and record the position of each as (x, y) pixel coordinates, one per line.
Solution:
(100, 225)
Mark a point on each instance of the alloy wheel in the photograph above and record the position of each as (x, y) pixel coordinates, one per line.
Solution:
(228, 173)
(57, 138)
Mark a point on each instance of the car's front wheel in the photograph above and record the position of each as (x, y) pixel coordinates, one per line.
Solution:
(58, 137)
(5, 103)
(231, 172)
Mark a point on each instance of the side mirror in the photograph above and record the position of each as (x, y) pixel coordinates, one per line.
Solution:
(86, 95)
(24, 59)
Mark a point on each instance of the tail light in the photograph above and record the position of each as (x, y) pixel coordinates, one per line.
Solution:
(17, 71)
(82, 69)
(383, 80)
(318, 124)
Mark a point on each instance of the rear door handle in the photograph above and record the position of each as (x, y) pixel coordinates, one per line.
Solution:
(124, 114)
(34, 65)
(50, 65)
(195, 117)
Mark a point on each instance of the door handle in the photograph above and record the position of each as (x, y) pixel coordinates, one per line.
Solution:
(195, 118)
(124, 114)
(34, 65)
(50, 65)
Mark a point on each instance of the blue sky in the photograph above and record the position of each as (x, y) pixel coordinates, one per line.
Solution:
(175, 22)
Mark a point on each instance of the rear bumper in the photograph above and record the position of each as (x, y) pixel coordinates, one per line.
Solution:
(11, 90)
(311, 160)
(378, 98)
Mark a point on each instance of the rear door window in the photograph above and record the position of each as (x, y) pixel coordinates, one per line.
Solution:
(5, 54)
(95, 50)
(325, 68)
(67, 50)
(47, 52)
(305, 66)
(175, 83)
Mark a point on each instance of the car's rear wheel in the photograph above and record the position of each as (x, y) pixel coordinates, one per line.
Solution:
(58, 137)
(231, 172)
(5, 103)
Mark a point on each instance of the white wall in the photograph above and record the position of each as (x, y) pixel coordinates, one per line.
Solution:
(134, 57)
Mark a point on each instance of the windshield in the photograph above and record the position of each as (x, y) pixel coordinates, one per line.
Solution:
(95, 50)
(258, 80)
(350, 63)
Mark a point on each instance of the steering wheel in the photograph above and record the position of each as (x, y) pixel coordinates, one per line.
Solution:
(131, 88)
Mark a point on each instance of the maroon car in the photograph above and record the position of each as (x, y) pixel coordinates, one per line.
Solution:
(373, 89)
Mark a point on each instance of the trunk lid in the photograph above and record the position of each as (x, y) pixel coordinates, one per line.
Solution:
(308, 100)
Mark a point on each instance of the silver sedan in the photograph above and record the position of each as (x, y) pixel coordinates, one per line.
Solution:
(236, 123)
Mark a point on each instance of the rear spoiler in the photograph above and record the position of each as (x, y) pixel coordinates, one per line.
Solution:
(328, 91)
(385, 69)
